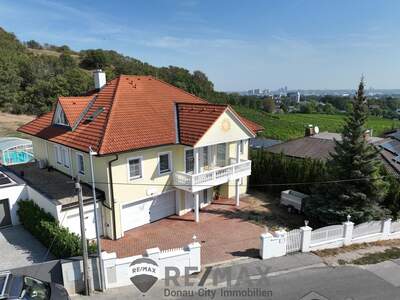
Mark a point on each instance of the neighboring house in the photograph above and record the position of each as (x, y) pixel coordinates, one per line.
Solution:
(320, 146)
(159, 150)
(390, 151)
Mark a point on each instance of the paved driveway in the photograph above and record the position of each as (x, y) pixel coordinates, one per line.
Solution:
(19, 248)
(221, 232)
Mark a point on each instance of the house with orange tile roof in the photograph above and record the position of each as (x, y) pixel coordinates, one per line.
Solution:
(157, 150)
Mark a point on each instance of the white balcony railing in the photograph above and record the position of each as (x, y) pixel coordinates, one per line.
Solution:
(204, 180)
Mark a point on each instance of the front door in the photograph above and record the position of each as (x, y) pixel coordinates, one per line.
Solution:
(5, 215)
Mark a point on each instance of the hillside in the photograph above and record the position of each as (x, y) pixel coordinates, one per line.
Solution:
(32, 75)
(290, 126)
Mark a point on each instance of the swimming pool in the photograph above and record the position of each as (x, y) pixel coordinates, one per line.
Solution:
(17, 157)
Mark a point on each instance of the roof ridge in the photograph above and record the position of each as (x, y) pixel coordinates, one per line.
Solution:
(181, 90)
(204, 104)
(100, 145)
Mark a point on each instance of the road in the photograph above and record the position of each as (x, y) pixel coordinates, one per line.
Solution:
(380, 281)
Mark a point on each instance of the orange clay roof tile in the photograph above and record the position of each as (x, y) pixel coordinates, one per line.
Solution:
(137, 112)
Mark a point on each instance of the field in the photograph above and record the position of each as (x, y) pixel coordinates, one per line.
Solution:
(9, 124)
(289, 126)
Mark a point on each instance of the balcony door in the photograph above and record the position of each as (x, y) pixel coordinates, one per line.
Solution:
(205, 159)
(221, 155)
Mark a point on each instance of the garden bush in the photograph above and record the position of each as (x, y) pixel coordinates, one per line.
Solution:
(61, 242)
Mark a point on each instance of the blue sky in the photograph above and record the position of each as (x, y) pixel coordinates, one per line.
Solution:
(238, 44)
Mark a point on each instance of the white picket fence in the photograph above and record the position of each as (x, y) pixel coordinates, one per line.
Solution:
(327, 233)
(367, 228)
(395, 226)
(293, 243)
(305, 239)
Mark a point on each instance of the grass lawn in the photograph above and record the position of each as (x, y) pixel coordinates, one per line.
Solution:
(9, 124)
(289, 126)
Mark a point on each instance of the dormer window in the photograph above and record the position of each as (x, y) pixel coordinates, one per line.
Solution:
(59, 116)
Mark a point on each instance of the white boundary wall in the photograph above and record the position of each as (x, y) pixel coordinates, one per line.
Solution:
(331, 237)
(117, 271)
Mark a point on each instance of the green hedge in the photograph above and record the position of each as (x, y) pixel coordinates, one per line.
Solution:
(274, 172)
(61, 242)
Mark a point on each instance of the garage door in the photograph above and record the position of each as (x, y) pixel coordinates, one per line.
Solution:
(5, 216)
(148, 210)
(73, 223)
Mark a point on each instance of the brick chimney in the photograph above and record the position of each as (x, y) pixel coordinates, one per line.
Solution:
(99, 78)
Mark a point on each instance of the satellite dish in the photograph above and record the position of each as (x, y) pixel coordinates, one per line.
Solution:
(316, 129)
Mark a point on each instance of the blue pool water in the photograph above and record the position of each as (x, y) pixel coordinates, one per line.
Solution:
(17, 157)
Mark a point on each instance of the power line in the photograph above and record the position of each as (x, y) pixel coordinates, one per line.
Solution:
(249, 185)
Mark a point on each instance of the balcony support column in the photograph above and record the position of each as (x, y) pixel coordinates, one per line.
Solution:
(237, 198)
(196, 155)
(196, 207)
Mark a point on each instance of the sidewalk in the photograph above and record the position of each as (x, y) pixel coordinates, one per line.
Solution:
(254, 267)
(269, 267)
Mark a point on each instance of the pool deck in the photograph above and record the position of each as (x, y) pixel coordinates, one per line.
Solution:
(56, 186)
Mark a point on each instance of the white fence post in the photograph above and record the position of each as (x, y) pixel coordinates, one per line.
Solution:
(348, 232)
(153, 253)
(305, 238)
(108, 260)
(194, 256)
(273, 245)
(386, 228)
(264, 239)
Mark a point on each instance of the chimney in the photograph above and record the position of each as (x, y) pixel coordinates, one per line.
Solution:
(99, 78)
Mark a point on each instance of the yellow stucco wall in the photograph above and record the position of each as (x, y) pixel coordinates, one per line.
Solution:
(226, 129)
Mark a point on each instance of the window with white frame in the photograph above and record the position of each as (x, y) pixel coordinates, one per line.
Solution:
(135, 168)
(164, 163)
(59, 116)
(62, 155)
(57, 154)
(80, 164)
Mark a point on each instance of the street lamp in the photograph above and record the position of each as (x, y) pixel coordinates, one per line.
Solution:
(101, 269)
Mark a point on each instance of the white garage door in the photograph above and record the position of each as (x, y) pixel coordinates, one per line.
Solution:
(73, 224)
(148, 210)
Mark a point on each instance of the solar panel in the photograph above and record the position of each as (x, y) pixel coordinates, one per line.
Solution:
(392, 146)
(395, 135)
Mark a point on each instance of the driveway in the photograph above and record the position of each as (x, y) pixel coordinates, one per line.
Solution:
(222, 232)
(18, 248)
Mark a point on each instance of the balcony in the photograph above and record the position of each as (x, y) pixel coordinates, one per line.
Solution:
(204, 180)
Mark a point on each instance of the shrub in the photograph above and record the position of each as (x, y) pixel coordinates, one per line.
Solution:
(61, 242)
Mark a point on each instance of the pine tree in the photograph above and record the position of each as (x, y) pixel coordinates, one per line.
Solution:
(356, 166)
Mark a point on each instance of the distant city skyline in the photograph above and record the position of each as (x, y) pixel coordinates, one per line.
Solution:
(303, 44)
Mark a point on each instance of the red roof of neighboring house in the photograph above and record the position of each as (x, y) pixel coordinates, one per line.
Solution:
(134, 112)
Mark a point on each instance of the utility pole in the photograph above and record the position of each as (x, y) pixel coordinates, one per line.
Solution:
(86, 281)
(100, 262)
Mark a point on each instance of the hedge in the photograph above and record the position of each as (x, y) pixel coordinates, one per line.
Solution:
(61, 242)
(270, 171)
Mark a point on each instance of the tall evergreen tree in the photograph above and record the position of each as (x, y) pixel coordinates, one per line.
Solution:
(355, 165)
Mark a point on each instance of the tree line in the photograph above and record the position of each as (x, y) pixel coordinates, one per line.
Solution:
(31, 79)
